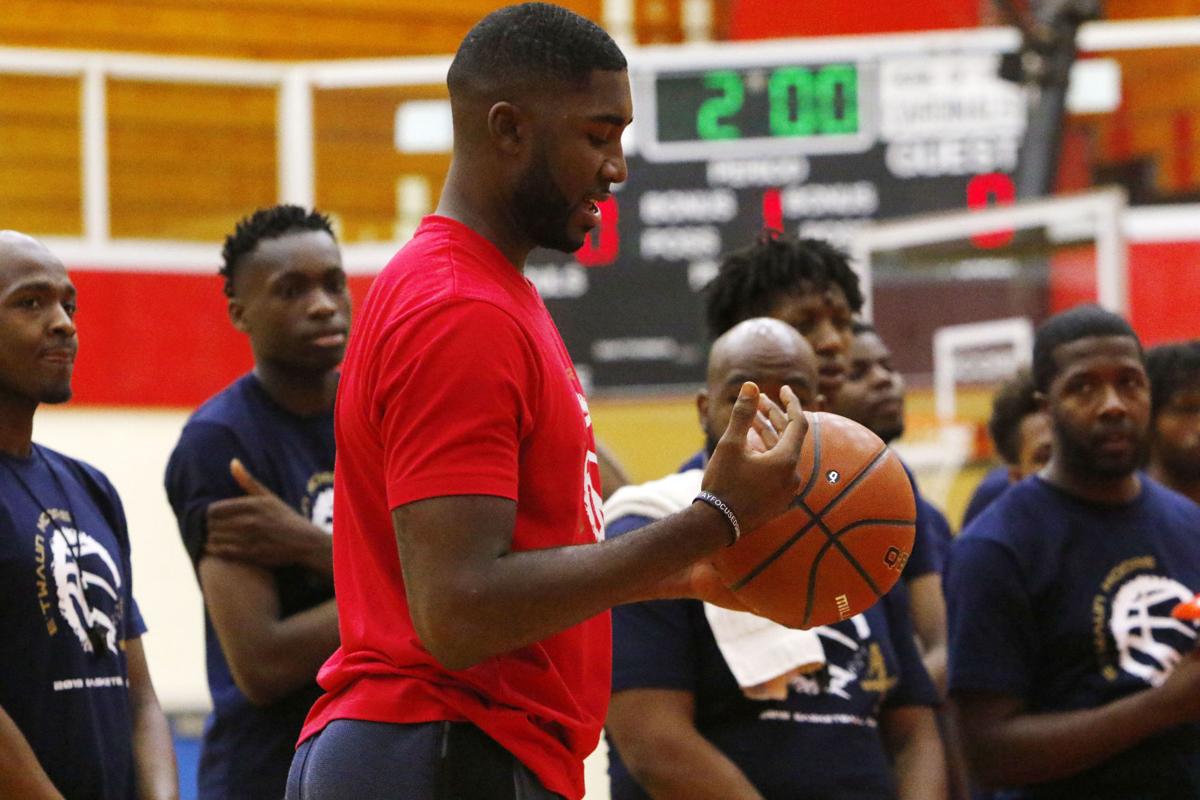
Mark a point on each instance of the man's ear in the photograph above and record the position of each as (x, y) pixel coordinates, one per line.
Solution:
(508, 127)
(237, 315)
(702, 408)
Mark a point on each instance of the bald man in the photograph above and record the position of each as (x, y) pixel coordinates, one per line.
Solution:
(78, 714)
(689, 717)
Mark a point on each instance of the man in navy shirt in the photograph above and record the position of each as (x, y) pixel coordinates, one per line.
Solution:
(873, 396)
(251, 485)
(1174, 371)
(79, 718)
(1069, 676)
(1020, 431)
(680, 725)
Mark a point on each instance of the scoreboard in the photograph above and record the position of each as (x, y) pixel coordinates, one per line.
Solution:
(814, 146)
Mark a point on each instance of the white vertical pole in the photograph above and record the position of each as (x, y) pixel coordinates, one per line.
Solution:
(1112, 256)
(618, 21)
(297, 176)
(94, 132)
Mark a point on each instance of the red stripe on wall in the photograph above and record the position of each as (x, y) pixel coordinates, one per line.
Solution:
(158, 339)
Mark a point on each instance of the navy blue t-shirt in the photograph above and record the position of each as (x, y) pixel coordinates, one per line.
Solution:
(64, 569)
(992, 486)
(823, 741)
(1068, 605)
(247, 749)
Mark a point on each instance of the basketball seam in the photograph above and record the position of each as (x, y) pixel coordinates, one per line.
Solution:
(834, 540)
(814, 517)
(815, 430)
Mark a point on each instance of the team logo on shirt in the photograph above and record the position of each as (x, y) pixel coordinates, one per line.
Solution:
(593, 500)
(1134, 631)
(851, 660)
(317, 504)
(70, 562)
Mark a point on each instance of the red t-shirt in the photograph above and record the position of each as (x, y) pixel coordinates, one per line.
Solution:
(456, 382)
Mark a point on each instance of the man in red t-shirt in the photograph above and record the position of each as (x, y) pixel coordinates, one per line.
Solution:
(472, 587)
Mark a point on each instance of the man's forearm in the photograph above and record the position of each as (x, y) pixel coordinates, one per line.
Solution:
(515, 599)
(1031, 748)
(686, 766)
(21, 775)
(318, 552)
(154, 754)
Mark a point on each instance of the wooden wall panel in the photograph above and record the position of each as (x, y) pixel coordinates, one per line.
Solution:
(270, 29)
(186, 161)
(40, 155)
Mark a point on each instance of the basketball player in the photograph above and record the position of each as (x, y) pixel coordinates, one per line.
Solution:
(873, 396)
(807, 283)
(680, 723)
(1020, 431)
(251, 485)
(1174, 371)
(1069, 677)
(476, 664)
(78, 714)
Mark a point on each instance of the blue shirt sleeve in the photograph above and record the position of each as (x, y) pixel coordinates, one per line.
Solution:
(926, 556)
(915, 687)
(993, 643)
(197, 475)
(653, 643)
(991, 487)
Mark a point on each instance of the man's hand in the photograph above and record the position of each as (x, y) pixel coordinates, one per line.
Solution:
(753, 468)
(259, 527)
(1178, 698)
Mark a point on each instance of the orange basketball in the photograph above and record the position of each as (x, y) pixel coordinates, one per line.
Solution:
(843, 543)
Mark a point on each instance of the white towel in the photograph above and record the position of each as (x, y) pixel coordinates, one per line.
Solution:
(760, 653)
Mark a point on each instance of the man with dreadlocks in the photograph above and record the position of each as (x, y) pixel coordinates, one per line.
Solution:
(251, 485)
(806, 283)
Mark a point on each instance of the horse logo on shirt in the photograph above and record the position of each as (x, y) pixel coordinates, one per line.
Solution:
(81, 564)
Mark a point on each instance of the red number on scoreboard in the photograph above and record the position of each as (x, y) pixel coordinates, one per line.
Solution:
(604, 251)
(985, 191)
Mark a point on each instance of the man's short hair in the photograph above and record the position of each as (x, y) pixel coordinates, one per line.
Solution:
(1080, 322)
(267, 223)
(1172, 368)
(752, 279)
(1014, 401)
(532, 44)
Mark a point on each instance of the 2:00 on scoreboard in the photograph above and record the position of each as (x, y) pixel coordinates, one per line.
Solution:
(781, 109)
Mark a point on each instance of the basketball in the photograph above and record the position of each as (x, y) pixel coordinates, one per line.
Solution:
(843, 543)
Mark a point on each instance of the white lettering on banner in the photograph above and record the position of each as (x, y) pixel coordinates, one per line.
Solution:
(680, 244)
(649, 348)
(757, 172)
(680, 205)
(701, 273)
(860, 198)
(553, 281)
(838, 232)
(948, 97)
(951, 157)
(105, 682)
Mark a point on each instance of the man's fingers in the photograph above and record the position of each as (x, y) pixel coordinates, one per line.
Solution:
(773, 412)
(797, 424)
(742, 418)
(765, 430)
(245, 480)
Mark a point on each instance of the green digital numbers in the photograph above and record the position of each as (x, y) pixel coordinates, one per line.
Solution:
(710, 119)
(799, 102)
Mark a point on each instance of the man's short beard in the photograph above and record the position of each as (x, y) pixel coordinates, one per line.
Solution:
(542, 212)
(1082, 460)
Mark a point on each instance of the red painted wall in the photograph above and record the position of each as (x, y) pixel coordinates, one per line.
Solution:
(157, 339)
(755, 19)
